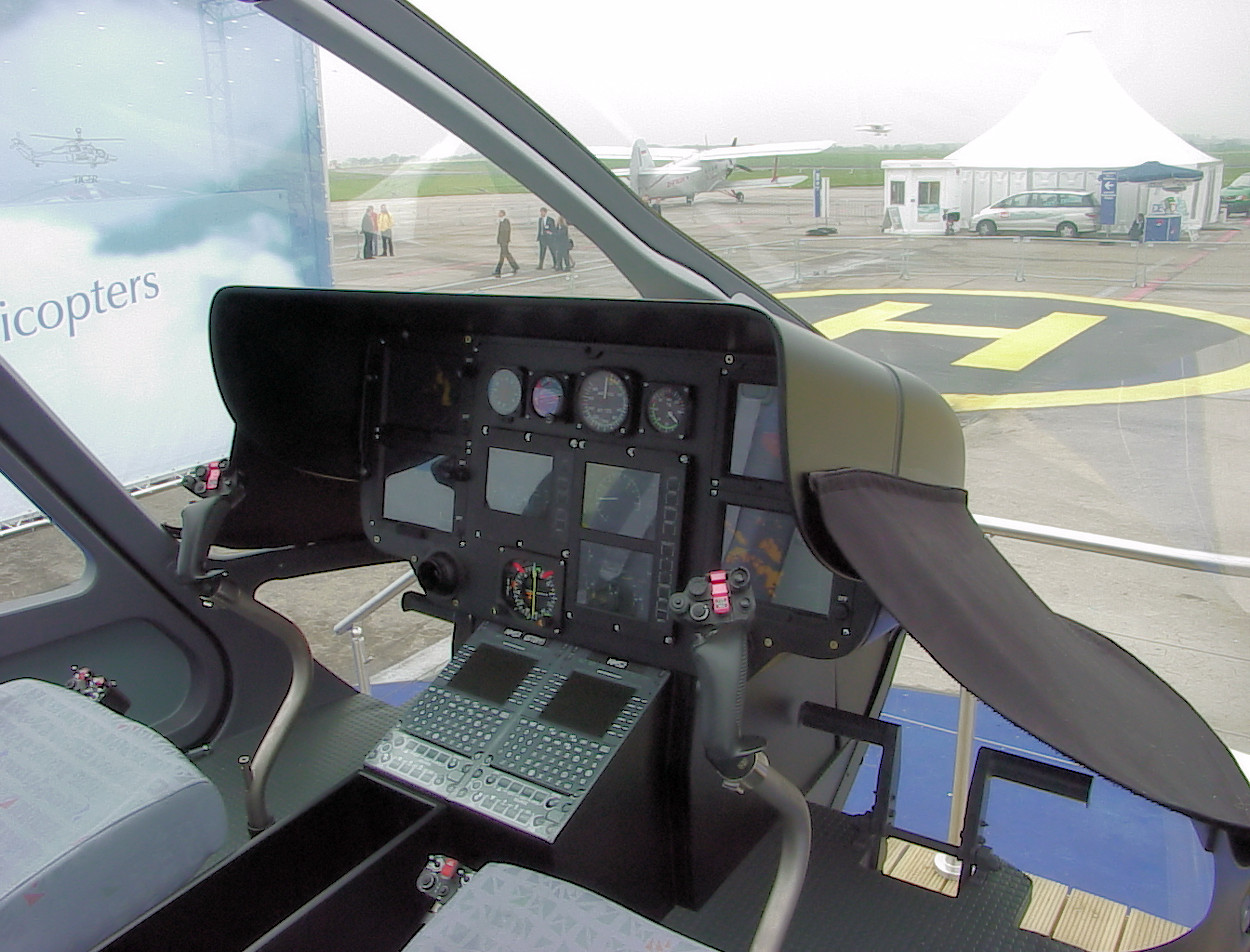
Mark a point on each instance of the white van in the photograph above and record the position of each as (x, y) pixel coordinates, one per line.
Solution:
(1067, 214)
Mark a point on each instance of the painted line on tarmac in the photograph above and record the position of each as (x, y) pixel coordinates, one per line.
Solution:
(1201, 385)
(1138, 293)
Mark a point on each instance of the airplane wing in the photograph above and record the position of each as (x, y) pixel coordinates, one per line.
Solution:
(661, 169)
(660, 154)
(784, 181)
(765, 149)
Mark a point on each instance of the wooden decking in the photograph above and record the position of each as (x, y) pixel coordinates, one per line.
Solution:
(1069, 915)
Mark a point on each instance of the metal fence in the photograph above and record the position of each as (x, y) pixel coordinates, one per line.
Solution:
(1213, 261)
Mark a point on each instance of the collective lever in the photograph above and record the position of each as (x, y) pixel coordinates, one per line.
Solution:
(201, 521)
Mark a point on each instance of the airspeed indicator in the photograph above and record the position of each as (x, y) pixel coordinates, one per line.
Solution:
(604, 401)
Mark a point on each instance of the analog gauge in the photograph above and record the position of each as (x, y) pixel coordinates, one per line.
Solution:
(503, 391)
(668, 409)
(531, 591)
(548, 397)
(604, 401)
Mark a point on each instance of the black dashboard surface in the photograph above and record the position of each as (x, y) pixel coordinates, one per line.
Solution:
(554, 466)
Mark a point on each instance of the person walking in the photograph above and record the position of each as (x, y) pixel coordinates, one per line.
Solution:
(385, 224)
(503, 237)
(369, 228)
(560, 245)
(546, 227)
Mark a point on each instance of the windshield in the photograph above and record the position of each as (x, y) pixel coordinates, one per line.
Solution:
(855, 164)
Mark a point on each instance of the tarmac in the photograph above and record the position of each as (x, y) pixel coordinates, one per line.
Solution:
(1164, 471)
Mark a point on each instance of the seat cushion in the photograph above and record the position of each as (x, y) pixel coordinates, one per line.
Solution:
(508, 907)
(101, 818)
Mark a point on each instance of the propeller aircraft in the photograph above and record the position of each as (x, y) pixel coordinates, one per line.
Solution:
(689, 172)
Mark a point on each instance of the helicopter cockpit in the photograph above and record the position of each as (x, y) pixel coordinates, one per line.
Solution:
(678, 541)
(555, 472)
(622, 508)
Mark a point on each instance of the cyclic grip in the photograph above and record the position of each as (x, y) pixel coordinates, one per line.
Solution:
(722, 606)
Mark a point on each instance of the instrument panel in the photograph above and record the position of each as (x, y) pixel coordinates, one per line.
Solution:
(568, 488)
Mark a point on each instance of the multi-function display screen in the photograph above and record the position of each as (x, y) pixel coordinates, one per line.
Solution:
(783, 570)
(418, 497)
(491, 674)
(756, 449)
(621, 501)
(587, 704)
(518, 482)
(614, 579)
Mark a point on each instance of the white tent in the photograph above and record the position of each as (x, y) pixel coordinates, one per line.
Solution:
(1076, 122)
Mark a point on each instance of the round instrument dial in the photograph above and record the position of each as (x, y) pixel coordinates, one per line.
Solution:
(503, 391)
(548, 397)
(604, 401)
(531, 591)
(668, 409)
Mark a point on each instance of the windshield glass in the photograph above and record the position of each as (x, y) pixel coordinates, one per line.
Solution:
(1096, 352)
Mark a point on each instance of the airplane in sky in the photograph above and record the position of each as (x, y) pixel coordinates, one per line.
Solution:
(72, 150)
(689, 172)
(874, 128)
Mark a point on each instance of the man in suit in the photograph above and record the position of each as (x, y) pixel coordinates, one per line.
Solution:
(503, 236)
(546, 227)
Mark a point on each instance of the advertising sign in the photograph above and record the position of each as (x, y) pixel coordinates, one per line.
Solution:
(1106, 191)
(115, 236)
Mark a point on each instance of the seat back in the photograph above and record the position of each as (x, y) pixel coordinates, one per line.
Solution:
(509, 907)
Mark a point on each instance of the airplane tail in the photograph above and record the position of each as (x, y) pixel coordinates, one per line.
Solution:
(640, 161)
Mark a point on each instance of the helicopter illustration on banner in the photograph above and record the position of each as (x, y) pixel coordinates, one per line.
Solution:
(70, 150)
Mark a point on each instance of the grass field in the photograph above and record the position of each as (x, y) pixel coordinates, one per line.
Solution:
(471, 176)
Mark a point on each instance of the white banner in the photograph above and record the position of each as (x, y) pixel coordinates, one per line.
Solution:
(109, 324)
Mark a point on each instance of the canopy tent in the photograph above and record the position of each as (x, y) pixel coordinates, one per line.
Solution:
(1163, 176)
(1075, 123)
(1076, 116)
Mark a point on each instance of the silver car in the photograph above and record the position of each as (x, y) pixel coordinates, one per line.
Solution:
(1066, 214)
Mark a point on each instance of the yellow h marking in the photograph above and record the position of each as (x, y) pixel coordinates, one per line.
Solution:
(1019, 348)
(1010, 348)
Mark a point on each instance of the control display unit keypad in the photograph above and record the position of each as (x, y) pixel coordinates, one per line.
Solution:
(518, 727)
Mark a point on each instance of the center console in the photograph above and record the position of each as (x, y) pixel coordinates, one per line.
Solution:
(518, 728)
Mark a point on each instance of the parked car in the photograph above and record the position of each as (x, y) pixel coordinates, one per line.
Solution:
(1067, 214)
(1235, 196)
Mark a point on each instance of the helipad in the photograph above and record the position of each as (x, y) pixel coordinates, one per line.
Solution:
(1012, 350)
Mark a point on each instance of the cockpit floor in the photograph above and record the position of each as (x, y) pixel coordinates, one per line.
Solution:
(847, 907)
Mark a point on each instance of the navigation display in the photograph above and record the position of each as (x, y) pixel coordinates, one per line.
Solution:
(518, 482)
(621, 501)
(586, 704)
(417, 496)
(491, 674)
(783, 570)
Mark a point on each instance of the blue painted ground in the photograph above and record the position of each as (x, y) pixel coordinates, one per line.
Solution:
(1119, 846)
(398, 692)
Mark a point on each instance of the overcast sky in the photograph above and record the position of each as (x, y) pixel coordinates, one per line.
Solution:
(674, 71)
